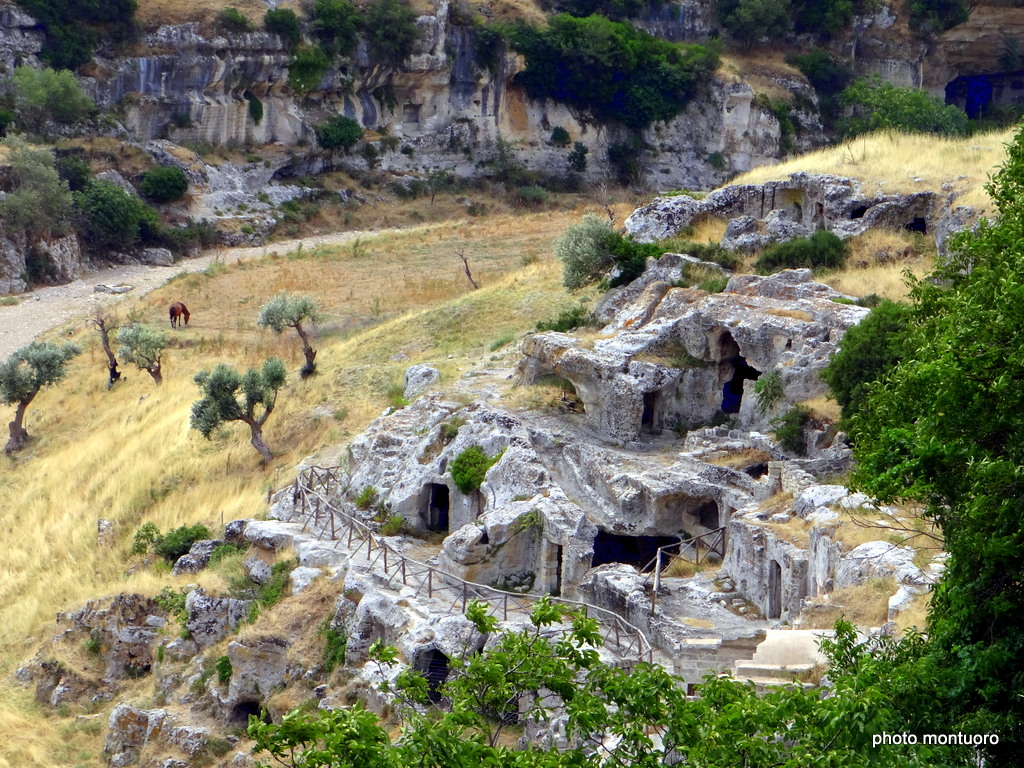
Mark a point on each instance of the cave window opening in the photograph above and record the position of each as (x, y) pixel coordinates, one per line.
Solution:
(758, 470)
(435, 512)
(917, 224)
(707, 515)
(434, 665)
(411, 113)
(638, 551)
(557, 591)
(647, 418)
(974, 94)
(732, 392)
(774, 590)
(858, 212)
(242, 710)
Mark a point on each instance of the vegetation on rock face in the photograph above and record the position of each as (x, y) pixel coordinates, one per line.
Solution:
(610, 68)
(258, 388)
(38, 204)
(162, 185)
(307, 68)
(934, 16)
(822, 250)
(73, 28)
(591, 248)
(391, 31)
(336, 26)
(469, 468)
(46, 94)
(338, 132)
(283, 22)
(112, 218)
(944, 429)
(23, 374)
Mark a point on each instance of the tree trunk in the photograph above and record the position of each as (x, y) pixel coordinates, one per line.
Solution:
(19, 436)
(156, 373)
(257, 440)
(101, 323)
(308, 352)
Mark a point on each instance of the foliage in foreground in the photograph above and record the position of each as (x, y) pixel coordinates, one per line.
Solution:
(613, 716)
(945, 429)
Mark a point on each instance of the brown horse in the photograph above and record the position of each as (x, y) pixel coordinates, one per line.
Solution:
(177, 312)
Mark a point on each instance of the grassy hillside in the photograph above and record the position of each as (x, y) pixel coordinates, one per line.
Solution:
(129, 456)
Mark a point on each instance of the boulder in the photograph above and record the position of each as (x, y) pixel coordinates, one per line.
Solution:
(213, 618)
(418, 378)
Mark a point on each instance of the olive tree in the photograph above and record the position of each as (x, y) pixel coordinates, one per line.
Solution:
(231, 396)
(288, 311)
(143, 347)
(23, 374)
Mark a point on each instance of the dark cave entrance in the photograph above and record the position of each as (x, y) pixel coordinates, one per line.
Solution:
(557, 591)
(434, 511)
(241, 712)
(707, 515)
(434, 665)
(647, 418)
(774, 590)
(638, 551)
(733, 371)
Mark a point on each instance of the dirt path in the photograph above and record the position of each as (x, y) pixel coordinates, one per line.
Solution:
(46, 308)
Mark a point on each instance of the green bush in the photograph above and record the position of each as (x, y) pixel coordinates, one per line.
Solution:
(867, 352)
(749, 21)
(791, 429)
(875, 105)
(769, 391)
(390, 30)
(574, 317)
(335, 645)
(714, 285)
(307, 68)
(610, 68)
(624, 158)
(589, 249)
(469, 468)
(613, 9)
(828, 75)
(367, 497)
(934, 16)
(231, 20)
(145, 537)
(825, 17)
(178, 542)
(74, 170)
(47, 94)
(577, 159)
(392, 526)
(108, 217)
(822, 250)
(336, 25)
(713, 252)
(531, 195)
(255, 108)
(7, 119)
(162, 185)
(223, 669)
(560, 136)
(73, 28)
(283, 22)
(338, 132)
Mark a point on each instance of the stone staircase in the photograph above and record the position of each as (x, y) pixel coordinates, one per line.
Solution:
(784, 655)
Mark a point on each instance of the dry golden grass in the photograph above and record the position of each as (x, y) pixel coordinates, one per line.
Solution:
(761, 69)
(128, 454)
(887, 281)
(890, 163)
(739, 459)
(823, 408)
(865, 605)
(915, 616)
(153, 13)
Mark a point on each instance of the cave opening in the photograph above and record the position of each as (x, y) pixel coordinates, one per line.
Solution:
(774, 590)
(732, 392)
(917, 224)
(647, 418)
(707, 514)
(434, 511)
(241, 712)
(557, 591)
(858, 212)
(434, 665)
(638, 551)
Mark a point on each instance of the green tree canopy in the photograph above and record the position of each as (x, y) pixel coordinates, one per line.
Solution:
(283, 22)
(112, 218)
(231, 396)
(143, 347)
(610, 68)
(23, 374)
(38, 202)
(945, 429)
(336, 25)
(748, 21)
(338, 132)
(288, 311)
(391, 31)
(164, 184)
(46, 94)
(73, 28)
(874, 105)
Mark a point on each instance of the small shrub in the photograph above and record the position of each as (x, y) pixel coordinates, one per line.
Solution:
(307, 68)
(821, 250)
(179, 541)
(531, 195)
(567, 319)
(875, 105)
(271, 593)
(231, 20)
(223, 551)
(577, 159)
(501, 342)
(367, 497)
(173, 601)
(769, 391)
(560, 136)
(255, 110)
(450, 429)
(74, 170)
(715, 284)
(335, 645)
(791, 429)
(392, 526)
(339, 132)
(283, 22)
(146, 536)
(162, 185)
(390, 30)
(469, 468)
(717, 161)
(223, 668)
(92, 646)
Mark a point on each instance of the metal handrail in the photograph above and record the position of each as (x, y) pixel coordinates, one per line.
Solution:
(313, 487)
